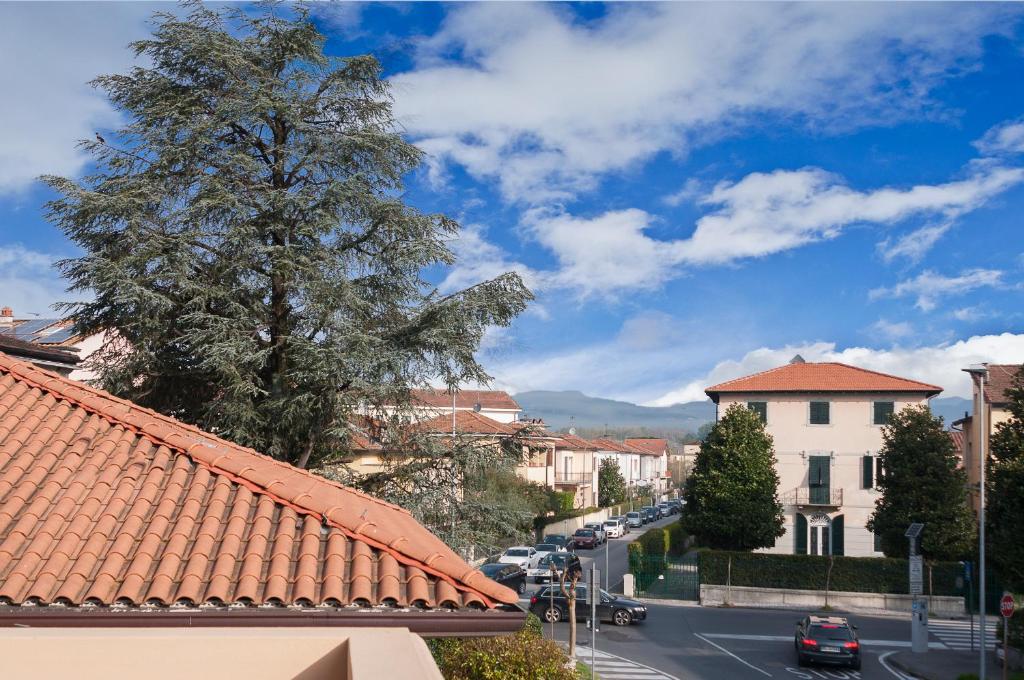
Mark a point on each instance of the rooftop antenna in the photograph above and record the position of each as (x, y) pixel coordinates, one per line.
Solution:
(477, 407)
(572, 427)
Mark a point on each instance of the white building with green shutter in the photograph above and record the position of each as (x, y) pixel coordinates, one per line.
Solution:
(826, 420)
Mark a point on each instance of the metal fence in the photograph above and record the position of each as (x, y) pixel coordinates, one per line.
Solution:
(668, 578)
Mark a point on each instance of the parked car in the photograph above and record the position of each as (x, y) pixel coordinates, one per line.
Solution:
(554, 607)
(511, 575)
(560, 540)
(649, 514)
(624, 521)
(546, 548)
(613, 528)
(678, 504)
(585, 538)
(635, 519)
(523, 555)
(597, 528)
(826, 640)
(667, 508)
(562, 560)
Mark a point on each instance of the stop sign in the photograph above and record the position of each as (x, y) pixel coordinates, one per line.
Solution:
(1006, 606)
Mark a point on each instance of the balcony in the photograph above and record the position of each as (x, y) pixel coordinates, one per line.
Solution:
(573, 478)
(820, 496)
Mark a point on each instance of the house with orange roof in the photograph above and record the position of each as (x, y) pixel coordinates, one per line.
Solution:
(115, 516)
(638, 465)
(54, 335)
(826, 421)
(493, 404)
(995, 403)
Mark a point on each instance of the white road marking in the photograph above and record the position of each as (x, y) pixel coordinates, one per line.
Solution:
(901, 676)
(759, 670)
(957, 633)
(637, 671)
(785, 638)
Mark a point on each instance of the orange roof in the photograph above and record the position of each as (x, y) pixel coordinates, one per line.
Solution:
(957, 437)
(655, 446)
(1000, 379)
(605, 444)
(493, 399)
(820, 377)
(466, 422)
(103, 502)
(571, 441)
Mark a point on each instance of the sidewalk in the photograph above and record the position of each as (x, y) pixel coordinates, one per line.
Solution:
(941, 664)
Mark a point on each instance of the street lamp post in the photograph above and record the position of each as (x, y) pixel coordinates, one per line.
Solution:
(980, 373)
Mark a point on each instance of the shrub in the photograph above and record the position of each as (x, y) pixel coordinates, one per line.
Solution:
(533, 626)
(509, 657)
(808, 572)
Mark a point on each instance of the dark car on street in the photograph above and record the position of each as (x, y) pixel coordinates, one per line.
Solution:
(511, 575)
(585, 538)
(560, 540)
(650, 513)
(554, 607)
(829, 640)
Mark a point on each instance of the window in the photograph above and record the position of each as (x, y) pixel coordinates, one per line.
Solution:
(883, 409)
(867, 465)
(760, 408)
(878, 543)
(819, 413)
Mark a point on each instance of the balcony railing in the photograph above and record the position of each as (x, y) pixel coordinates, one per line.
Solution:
(573, 477)
(814, 495)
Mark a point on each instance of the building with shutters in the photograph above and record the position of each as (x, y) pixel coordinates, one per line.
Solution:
(826, 421)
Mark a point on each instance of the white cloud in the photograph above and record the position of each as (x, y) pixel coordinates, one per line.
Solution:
(915, 244)
(938, 365)
(892, 330)
(50, 52)
(477, 259)
(547, 104)
(968, 314)
(1005, 138)
(759, 215)
(29, 282)
(928, 286)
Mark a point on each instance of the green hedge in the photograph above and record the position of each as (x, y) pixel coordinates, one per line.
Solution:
(647, 554)
(808, 572)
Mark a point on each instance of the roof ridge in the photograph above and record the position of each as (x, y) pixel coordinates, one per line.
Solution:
(719, 387)
(884, 375)
(310, 489)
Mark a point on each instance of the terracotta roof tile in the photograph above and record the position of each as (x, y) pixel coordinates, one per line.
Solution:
(571, 441)
(104, 501)
(605, 444)
(656, 446)
(820, 377)
(1000, 379)
(466, 422)
(492, 399)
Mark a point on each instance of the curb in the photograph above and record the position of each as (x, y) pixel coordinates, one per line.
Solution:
(903, 669)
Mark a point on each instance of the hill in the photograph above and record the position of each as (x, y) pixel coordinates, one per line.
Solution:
(571, 407)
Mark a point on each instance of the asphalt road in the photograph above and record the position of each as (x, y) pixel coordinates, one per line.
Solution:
(723, 643)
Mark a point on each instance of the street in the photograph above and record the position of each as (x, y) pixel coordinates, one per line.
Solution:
(717, 643)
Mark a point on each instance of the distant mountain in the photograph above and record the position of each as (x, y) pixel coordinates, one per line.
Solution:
(560, 409)
(571, 407)
(951, 408)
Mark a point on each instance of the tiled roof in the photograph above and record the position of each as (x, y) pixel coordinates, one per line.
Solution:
(466, 422)
(655, 446)
(105, 502)
(51, 332)
(957, 437)
(493, 399)
(1000, 379)
(605, 444)
(571, 441)
(820, 377)
(30, 350)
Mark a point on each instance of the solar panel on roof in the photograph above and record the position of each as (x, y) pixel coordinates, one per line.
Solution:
(60, 336)
(27, 330)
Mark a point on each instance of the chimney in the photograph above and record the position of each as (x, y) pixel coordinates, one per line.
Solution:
(6, 315)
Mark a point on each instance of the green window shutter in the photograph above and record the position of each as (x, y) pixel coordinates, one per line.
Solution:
(837, 535)
(878, 542)
(819, 413)
(818, 479)
(801, 534)
(883, 409)
(867, 466)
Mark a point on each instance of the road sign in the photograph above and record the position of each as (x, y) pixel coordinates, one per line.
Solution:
(916, 575)
(1006, 605)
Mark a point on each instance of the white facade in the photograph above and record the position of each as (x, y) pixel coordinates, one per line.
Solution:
(822, 467)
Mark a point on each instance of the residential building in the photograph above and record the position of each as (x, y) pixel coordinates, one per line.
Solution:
(576, 469)
(995, 403)
(54, 334)
(494, 404)
(113, 516)
(826, 421)
(654, 464)
(640, 467)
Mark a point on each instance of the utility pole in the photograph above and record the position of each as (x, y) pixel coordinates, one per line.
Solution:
(980, 373)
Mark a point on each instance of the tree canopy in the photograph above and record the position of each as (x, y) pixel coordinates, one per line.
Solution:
(920, 482)
(731, 495)
(1005, 491)
(247, 247)
(611, 486)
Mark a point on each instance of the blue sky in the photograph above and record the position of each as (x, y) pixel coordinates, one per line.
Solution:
(693, 191)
